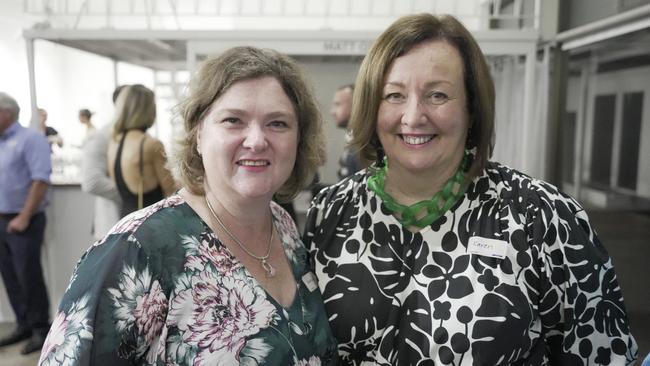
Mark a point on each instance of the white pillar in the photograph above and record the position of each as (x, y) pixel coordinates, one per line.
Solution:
(529, 97)
(35, 121)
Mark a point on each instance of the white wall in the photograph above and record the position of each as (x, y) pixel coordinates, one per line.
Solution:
(13, 59)
(326, 77)
(66, 79)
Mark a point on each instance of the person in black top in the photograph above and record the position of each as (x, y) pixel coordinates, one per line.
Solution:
(136, 158)
(52, 135)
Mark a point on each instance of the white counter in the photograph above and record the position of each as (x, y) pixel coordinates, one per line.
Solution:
(67, 236)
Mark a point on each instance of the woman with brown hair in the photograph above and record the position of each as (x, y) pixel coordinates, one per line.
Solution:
(435, 255)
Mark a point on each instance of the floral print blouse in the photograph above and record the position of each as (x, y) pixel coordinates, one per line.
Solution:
(161, 289)
(512, 274)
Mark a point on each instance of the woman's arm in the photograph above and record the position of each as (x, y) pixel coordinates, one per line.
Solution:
(159, 159)
(105, 316)
(581, 304)
(95, 177)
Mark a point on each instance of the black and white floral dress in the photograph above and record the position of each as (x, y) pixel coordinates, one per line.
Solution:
(542, 291)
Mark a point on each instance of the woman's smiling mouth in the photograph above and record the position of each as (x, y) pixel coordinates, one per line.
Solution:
(416, 139)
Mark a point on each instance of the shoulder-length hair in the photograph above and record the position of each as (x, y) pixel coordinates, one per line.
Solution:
(402, 36)
(135, 109)
(213, 78)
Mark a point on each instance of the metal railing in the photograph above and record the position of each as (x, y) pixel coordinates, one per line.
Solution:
(333, 14)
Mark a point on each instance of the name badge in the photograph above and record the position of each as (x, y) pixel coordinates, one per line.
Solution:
(310, 281)
(487, 247)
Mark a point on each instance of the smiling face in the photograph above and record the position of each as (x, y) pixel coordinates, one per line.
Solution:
(423, 120)
(248, 140)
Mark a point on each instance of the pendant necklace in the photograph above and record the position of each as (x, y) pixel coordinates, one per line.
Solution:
(268, 268)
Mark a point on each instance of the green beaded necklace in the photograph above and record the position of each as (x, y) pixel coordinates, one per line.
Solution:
(445, 197)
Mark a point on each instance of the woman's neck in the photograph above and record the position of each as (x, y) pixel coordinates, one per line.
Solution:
(246, 217)
(253, 213)
(242, 220)
(408, 188)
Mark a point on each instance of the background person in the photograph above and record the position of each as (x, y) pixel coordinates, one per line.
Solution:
(25, 170)
(53, 137)
(341, 107)
(137, 160)
(436, 255)
(85, 119)
(216, 274)
(96, 180)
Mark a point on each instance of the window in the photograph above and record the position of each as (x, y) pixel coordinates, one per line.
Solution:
(568, 147)
(603, 139)
(628, 161)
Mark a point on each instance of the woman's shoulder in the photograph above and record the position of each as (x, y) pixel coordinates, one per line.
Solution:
(518, 188)
(152, 143)
(343, 191)
(283, 220)
(159, 220)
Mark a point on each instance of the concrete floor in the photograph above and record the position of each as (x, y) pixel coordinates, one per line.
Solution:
(10, 356)
(626, 235)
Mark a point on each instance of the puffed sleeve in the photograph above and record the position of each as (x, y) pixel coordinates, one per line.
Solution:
(315, 216)
(112, 312)
(581, 306)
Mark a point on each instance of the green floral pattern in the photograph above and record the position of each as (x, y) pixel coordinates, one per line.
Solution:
(161, 289)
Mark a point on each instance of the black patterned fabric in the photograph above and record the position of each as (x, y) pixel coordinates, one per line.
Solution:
(400, 298)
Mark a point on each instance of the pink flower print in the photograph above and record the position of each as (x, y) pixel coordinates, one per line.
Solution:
(56, 336)
(67, 332)
(217, 314)
(157, 349)
(312, 361)
(207, 250)
(150, 312)
(287, 231)
(283, 222)
(218, 255)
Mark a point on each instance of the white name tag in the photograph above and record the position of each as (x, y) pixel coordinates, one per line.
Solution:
(310, 281)
(487, 247)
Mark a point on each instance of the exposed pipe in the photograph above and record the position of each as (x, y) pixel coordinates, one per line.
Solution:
(603, 24)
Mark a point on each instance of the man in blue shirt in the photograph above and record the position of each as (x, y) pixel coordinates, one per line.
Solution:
(25, 169)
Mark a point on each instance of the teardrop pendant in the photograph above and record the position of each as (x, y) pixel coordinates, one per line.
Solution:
(270, 271)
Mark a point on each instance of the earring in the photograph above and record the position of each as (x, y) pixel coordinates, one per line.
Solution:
(380, 163)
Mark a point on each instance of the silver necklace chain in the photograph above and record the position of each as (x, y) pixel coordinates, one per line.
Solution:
(268, 268)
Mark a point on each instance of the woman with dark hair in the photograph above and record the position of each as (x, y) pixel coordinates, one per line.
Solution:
(216, 274)
(435, 255)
